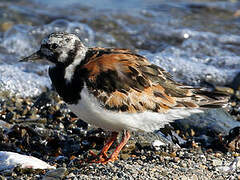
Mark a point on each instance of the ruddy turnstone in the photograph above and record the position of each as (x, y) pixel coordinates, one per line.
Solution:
(117, 89)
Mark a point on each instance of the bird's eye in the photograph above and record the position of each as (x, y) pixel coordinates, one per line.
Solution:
(54, 46)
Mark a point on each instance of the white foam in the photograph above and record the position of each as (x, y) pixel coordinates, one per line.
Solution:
(202, 57)
(17, 81)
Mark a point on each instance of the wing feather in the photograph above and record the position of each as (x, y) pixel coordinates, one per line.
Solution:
(125, 81)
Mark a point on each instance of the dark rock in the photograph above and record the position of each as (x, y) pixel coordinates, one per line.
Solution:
(210, 123)
(236, 82)
(232, 140)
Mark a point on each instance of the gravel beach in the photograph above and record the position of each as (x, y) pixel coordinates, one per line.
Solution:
(44, 128)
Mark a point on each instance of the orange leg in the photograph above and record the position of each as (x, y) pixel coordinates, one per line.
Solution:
(123, 142)
(103, 154)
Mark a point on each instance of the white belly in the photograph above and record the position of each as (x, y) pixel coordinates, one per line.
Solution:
(90, 110)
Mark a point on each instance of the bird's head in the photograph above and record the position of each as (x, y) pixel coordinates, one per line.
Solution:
(59, 48)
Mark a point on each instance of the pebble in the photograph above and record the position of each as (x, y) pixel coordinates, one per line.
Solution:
(183, 177)
(218, 154)
(157, 144)
(6, 25)
(216, 162)
(124, 156)
(226, 90)
(194, 177)
(183, 164)
(4, 125)
(237, 161)
(55, 174)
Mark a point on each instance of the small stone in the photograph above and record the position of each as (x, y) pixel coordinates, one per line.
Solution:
(176, 159)
(115, 178)
(236, 154)
(166, 158)
(129, 147)
(203, 158)
(194, 144)
(71, 175)
(59, 158)
(6, 25)
(237, 160)
(203, 166)
(61, 126)
(157, 144)
(174, 166)
(124, 156)
(194, 177)
(164, 173)
(181, 154)
(192, 133)
(226, 90)
(183, 164)
(237, 94)
(216, 162)
(218, 154)
(233, 103)
(55, 174)
(143, 157)
(173, 154)
(4, 125)
(183, 177)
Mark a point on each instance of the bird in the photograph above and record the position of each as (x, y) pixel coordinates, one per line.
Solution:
(117, 89)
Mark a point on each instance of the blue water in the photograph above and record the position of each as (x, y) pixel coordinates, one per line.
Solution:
(197, 41)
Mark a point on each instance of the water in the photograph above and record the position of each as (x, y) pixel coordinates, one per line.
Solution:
(197, 41)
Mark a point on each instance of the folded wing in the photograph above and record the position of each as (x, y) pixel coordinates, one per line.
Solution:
(127, 82)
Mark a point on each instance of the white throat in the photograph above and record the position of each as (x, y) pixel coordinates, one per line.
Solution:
(69, 71)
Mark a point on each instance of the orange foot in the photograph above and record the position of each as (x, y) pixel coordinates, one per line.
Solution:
(102, 157)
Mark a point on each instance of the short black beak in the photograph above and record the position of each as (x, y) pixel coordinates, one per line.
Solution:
(34, 57)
